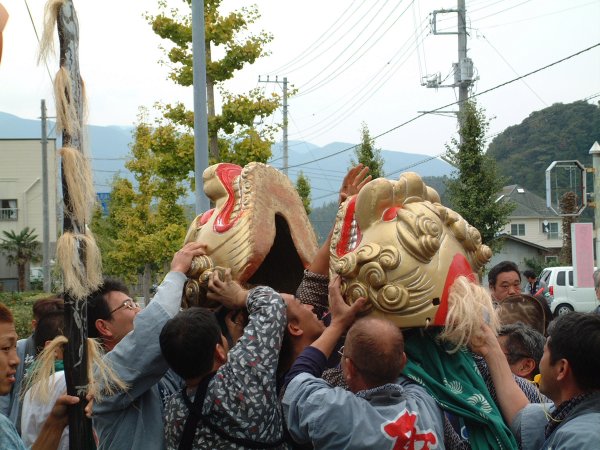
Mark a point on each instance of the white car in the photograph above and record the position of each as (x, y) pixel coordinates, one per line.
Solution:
(564, 295)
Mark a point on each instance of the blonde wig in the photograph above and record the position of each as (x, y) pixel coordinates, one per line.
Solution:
(103, 381)
(469, 306)
(78, 175)
(79, 279)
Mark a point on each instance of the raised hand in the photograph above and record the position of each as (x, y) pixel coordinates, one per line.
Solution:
(228, 292)
(182, 260)
(342, 314)
(354, 180)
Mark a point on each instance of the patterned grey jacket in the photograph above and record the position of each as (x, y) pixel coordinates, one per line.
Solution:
(241, 398)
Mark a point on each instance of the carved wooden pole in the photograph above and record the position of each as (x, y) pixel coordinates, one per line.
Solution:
(75, 356)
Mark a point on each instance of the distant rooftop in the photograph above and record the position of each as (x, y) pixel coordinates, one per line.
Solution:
(528, 203)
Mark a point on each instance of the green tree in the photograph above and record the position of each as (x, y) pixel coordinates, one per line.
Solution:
(233, 135)
(303, 188)
(474, 191)
(367, 154)
(146, 224)
(322, 217)
(20, 249)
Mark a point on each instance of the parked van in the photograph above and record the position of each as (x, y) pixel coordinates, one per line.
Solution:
(564, 295)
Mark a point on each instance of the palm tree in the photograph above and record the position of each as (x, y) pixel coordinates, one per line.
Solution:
(20, 249)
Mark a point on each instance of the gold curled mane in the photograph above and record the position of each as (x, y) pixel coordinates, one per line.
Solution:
(397, 245)
(258, 228)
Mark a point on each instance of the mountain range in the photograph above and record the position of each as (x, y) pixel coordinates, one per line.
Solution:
(323, 166)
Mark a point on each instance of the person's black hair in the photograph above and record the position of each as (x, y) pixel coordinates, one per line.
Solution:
(576, 338)
(529, 274)
(49, 326)
(46, 305)
(187, 342)
(97, 306)
(501, 267)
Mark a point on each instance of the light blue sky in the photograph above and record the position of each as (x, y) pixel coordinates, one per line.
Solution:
(508, 38)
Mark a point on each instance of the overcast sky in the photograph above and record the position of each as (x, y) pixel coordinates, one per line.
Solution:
(353, 61)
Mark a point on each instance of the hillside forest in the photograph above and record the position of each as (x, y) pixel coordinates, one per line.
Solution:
(560, 132)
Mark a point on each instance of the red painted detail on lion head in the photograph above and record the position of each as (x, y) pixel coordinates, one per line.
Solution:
(205, 217)
(350, 234)
(390, 214)
(459, 267)
(227, 173)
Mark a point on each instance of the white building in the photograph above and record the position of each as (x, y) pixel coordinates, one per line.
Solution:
(534, 231)
(21, 195)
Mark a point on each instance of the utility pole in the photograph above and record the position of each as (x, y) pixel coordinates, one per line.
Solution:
(46, 218)
(285, 119)
(200, 112)
(463, 69)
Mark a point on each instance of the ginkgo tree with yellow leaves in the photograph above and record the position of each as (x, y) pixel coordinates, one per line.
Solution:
(146, 223)
(237, 133)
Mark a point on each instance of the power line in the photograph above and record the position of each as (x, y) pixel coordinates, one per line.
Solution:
(376, 83)
(346, 65)
(454, 103)
(38, 38)
(595, 2)
(476, 19)
(499, 12)
(288, 67)
(416, 40)
(597, 94)
(471, 11)
(417, 163)
(513, 69)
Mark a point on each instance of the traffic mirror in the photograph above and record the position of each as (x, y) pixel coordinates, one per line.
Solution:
(566, 188)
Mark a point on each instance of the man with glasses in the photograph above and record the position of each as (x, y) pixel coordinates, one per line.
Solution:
(132, 419)
(112, 311)
(381, 409)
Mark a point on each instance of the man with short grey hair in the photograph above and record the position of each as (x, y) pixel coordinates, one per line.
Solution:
(523, 347)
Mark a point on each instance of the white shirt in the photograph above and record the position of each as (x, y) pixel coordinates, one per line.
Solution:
(34, 413)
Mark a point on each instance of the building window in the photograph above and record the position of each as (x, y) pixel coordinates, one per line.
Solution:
(553, 230)
(517, 229)
(551, 259)
(8, 210)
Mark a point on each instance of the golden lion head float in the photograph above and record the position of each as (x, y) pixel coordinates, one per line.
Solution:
(397, 245)
(258, 228)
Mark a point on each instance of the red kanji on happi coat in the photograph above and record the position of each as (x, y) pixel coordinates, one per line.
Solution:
(407, 436)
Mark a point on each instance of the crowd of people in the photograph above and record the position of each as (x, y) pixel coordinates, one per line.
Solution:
(299, 370)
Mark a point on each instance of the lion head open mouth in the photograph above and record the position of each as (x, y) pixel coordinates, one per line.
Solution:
(258, 228)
